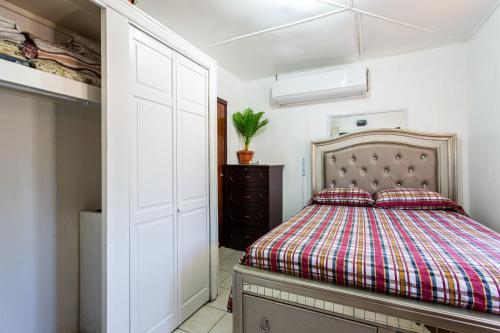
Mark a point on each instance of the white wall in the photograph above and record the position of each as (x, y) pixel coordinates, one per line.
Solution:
(50, 170)
(484, 123)
(78, 179)
(432, 85)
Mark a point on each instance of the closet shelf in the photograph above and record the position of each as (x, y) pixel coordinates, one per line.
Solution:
(21, 77)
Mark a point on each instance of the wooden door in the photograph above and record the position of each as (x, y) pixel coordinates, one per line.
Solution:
(192, 186)
(153, 241)
(221, 161)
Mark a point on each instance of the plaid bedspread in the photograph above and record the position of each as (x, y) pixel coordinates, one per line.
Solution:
(429, 255)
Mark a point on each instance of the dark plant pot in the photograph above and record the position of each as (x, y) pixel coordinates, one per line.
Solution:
(245, 156)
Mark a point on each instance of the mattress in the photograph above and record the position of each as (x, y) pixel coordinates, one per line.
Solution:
(429, 255)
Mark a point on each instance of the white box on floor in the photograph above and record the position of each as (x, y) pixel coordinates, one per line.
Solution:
(90, 272)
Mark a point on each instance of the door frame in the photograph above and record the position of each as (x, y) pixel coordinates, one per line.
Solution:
(223, 102)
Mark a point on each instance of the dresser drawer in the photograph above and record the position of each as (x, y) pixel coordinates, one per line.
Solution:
(247, 176)
(262, 315)
(247, 218)
(244, 198)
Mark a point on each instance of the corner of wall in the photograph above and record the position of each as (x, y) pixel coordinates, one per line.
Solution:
(483, 64)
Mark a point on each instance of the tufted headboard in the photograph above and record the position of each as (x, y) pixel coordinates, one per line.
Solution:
(375, 160)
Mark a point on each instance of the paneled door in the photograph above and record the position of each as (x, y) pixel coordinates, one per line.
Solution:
(192, 186)
(221, 161)
(153, 241)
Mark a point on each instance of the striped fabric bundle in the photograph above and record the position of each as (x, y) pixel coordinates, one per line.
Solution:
(414, 198)
(343, 196)
(64, 57)
(429, 255)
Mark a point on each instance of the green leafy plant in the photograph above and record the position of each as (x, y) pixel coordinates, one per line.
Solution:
(248, 124)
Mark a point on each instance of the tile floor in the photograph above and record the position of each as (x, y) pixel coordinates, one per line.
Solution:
(212, 317)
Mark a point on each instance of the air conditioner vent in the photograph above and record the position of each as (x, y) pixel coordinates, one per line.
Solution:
(327, 85)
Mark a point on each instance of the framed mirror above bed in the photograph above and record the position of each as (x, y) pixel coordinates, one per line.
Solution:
(376, 160)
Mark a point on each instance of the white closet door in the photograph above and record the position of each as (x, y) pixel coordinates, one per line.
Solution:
(153, 297)
(192, 186)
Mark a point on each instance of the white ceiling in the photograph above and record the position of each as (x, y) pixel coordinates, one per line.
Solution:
(80, 16)
(258, 38)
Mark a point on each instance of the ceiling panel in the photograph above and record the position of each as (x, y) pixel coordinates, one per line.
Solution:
(80, 16)
(325, 42)
(203, 22)
(341, 3)
(382, 38)
(455, 17)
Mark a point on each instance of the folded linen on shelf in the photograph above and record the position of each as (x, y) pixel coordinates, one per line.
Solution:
(10, 31)
(79, 59)
(85, 47)
(84, 42)
(65, 57)
(11, 51)
(55, 68)
(7, 29)
(69, 62)
(85, 52)
(6, 23)
(12, 37)
(14, 60)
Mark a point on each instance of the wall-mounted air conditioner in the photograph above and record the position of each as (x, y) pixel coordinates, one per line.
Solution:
(319, 86)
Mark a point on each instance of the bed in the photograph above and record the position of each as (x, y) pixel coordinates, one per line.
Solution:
(365, 269)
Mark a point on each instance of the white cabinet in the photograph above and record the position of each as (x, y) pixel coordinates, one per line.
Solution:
(152, 221)
(169, 230)
(159, 182)
(192, 186)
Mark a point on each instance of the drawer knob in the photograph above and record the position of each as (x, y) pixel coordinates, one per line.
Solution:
(264, 326)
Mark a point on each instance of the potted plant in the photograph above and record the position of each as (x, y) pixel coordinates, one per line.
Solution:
(248, 124)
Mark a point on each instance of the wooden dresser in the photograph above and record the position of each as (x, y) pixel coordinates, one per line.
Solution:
(253, 202)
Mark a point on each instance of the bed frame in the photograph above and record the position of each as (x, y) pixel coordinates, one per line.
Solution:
(373, 160)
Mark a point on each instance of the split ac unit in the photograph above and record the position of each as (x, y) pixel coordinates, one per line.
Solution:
(312, 87)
